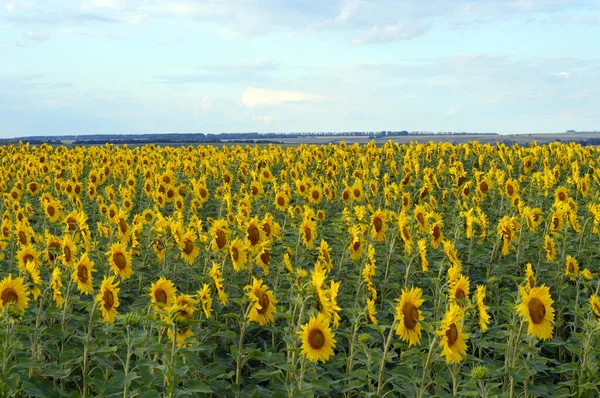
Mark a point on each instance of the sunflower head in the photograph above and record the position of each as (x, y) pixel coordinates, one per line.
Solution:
(318, 341)
(108, 299)
(13, 291)
(409, 316)
(264, 302)
(536, 309)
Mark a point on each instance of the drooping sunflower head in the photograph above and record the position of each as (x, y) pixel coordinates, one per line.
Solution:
(409, 316)
(378, 225)
(536, 309)
(220, 234)
(82, 274)
(459, 291)
(484, 318)
(108, 299)
(264, 302)
(318, 341)
(571, 266)
(308, 232)
(26, 254)
(453, 340)
(595, 304)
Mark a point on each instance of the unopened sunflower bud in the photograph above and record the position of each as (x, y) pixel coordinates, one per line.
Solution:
(480, 372)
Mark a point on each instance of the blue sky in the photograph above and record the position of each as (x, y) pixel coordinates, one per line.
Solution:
(120, 66)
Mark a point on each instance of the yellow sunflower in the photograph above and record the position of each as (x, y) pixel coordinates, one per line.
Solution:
(69, 250)
(206, 300)
(595, 304)
(357, 246)
(571, 266)
(408, 315)
(238, 255)
(264, 302)
(162, 293)
(26, 254)
(550, 248)
(422, 245)
(308, 232)
(217, 278)
(459, 290)
(378, 226)
(484, 318)
(371, 311)
(56, 283)
(254, 232)
(108, 299)
(119, 259)
(82, 274)
(282, 201)
(13, 291)
(453, 344)
(536, 309)
(318, 341)
(529, 277)
(189, 251)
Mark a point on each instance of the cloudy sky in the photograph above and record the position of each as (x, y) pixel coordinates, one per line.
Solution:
(121, 66)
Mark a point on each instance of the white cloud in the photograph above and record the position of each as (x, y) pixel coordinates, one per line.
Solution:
(399, 31)
(564, 75)
(229, 32)
(137, 19)
(71, 32)
(452, 110)
(252, 97)
(37, 36)
(264, 119)
(348, 9)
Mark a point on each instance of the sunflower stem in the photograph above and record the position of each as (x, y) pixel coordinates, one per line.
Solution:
(426, 367)
(127, 360)
(238, 366)
(86, 349)
(516, 352)
(383, 358)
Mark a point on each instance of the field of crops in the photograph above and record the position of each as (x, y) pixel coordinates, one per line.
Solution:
(398, 270)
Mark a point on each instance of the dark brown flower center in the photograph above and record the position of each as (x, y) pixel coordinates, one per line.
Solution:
(50, 209)
(378, 224)
(316, 195)
(160, 296)
(263, 300)
(235, 253)
(411, 315)
(483, 186)
(436, 232)
(460, 294)
(189, 247)
(22, 237)
(510, 190)
(221, 239)
(82, 273)
(68, 254)
(267, 228)
(253, 234)
(120, 260)
(452, 334)
(537, 310)
(280, 201)
(9, 295)
(265, 256)
(316, 339)
(307, 234)
(109, 299)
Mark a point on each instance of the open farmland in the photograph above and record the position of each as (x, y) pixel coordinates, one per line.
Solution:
(267, 271)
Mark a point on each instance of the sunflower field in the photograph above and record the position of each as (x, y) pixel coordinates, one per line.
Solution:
(262, 271)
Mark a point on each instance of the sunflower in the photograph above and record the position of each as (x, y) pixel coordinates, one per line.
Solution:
(378, 226)
(453, 344)
(282, 200)
(371, 311)
(217, 278)
(561, 195)
(82, 274)
(119, 259)
(325, 255)
(357, 245)
(162, 294)
(595, 304)
(459, 290)
(511, 188)
(536, 309)
(254, 232)
(206, 300)
(318, 341)
(587, 274)
(108, 299)
(484, 318)
(56, 283)
(421, 217)
(529, 277)
(13, 291)
(33, 272)
(264, 302)
(53, 248)
(189, 251)
(24, 233)
(69, 250)
(334, 288)
(572, 266)
(550, 248)
(422, 246)
(263, 257)
(308, 232)
(533, 217)
(436, 233)
(26, 254)
(408, 315)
